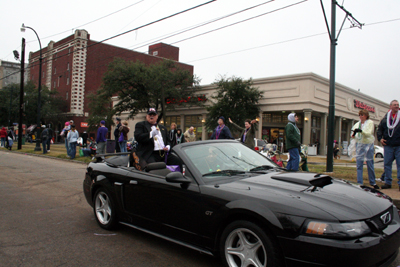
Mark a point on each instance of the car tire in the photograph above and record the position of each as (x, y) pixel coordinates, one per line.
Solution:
(379, 156)
(104, 210)
(244, 243)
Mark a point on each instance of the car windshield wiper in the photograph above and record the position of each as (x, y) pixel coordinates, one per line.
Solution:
(263, 167)
(224, 172)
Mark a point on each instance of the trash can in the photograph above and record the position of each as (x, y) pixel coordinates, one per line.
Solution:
(23, 140)
(110, 146)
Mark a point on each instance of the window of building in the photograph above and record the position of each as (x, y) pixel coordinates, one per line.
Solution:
(172, 119)
(67, 80)
(66, 96)
(276, 118)
(266, 117)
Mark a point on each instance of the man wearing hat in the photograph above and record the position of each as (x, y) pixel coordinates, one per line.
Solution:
(293, 142)
(116, 134)
(222, 131)
(101, 138)
(152, 139)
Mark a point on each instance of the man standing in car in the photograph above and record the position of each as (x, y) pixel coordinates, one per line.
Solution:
(388, 134)
(152, 139)
(293, 142)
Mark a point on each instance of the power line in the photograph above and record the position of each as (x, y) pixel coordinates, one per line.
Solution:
(90, 21)
(143, 26)
(192, 28)
(226, 26)
(247, 49)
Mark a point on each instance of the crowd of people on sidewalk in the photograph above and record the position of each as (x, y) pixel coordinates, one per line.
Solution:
(154, 141)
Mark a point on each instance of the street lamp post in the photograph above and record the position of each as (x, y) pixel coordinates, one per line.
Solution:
(37, 148)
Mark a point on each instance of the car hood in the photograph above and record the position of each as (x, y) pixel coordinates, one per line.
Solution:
(312, 196)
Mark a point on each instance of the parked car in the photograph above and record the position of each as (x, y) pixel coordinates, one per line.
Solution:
(226, 199)
(378, 152)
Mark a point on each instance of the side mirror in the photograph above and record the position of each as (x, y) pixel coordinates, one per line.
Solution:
(176, 177)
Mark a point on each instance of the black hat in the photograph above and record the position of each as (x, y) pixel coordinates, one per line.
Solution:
(222, 118)
(118, 119)
(152, 111)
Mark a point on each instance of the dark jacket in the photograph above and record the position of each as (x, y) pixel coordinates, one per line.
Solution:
(251, 134)
(225, 133)
(116, 131)
(124, 130)
(45, 134)
(382, 132)
(292, 136)
(145, 146)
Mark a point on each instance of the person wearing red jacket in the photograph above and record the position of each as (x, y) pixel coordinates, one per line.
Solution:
(3, 135)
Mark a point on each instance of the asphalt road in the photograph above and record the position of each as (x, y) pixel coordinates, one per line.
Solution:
(46, 221)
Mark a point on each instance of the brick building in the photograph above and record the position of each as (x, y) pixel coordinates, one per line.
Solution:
(75, 65)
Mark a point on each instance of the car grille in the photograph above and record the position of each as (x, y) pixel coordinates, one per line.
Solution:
(381, 221)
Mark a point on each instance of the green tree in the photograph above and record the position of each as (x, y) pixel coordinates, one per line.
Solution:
(53, 107)
(138, 86)
(236, 99)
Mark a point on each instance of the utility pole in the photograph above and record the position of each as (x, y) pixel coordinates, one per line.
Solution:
(333, 39)
(21, 97)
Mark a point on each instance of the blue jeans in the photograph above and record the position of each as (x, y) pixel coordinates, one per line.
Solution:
(67, 145)
(122, 146)
(365, 151)
(294, 161)
(44, 142)
(390, 153)
(72, 149)
(3, 141)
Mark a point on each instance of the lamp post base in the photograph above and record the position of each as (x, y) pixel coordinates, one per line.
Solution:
(37, 147)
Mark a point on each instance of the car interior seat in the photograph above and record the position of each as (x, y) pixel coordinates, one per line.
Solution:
(159, 168)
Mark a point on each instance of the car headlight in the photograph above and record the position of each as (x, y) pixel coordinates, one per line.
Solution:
(337, 230)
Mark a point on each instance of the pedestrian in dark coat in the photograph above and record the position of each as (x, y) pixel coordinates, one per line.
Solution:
(248, 132)
(117, 134)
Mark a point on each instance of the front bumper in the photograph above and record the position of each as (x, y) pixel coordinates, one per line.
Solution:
(373, 250)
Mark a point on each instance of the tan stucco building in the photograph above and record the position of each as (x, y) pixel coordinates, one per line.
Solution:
(306, 94)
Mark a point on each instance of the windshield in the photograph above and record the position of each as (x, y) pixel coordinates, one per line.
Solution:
(228, 158)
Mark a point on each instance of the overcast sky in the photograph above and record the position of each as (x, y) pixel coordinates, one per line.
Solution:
(290, 38)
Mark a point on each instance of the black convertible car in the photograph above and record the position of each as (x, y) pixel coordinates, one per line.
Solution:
(225, 199)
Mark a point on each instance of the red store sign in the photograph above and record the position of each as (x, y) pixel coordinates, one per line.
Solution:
(84, 124)
(361, 105)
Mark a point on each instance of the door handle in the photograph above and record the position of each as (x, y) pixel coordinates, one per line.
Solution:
(133, 182)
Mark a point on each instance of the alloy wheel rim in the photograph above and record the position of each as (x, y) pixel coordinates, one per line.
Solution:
(103, 209)
(244, 248)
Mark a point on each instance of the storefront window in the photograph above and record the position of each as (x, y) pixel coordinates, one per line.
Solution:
(195, 121)
(266, 117)
(172, 119)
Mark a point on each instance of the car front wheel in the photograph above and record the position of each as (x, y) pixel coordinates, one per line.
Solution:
(379, 155)
(104, 210)
(244, 243)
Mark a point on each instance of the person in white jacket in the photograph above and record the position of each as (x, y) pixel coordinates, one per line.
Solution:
(72, 138)
(363, 133)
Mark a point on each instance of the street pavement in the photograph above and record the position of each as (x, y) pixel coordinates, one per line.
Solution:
(47, 222)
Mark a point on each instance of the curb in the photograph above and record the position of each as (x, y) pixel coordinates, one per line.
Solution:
(44, 156)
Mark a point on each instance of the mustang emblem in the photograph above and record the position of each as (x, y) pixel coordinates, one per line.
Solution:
(385, 218)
